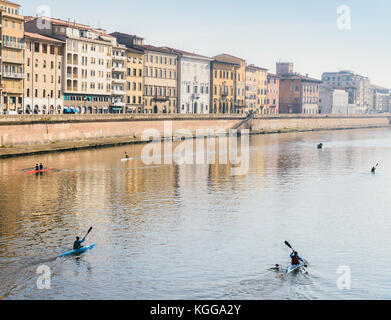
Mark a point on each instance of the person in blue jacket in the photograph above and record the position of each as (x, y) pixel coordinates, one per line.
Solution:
(78, 243)
(296, 259)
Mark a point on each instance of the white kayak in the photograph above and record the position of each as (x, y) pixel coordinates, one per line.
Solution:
(126, 159)
(294, 268)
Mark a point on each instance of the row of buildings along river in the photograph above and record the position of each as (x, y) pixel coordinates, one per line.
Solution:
(52, 66)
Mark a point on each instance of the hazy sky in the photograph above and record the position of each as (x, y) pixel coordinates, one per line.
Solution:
(262, 32)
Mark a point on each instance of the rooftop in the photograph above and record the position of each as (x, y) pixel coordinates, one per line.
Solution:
(41, 37)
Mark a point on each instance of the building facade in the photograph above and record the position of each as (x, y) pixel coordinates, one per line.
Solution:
(381, 99)
(118, 78)
(160, 80)
(135, 68)
(262, 91)
(87, 70)
(12, 58)
(298, 93)
(334, 101)
(223, 87)
(43, 75)
(356, 85)
(252, 89)
(240, 80)
(194, 83)
(273, 94)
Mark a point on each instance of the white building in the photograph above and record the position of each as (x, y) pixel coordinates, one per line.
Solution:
(334, 101)
(193, 83)
(356, 85)
(118, 86)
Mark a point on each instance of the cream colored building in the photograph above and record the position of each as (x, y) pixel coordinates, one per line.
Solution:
(12, 58)
(43, 75)
(87, 69)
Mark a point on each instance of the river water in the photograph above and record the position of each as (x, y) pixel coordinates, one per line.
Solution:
(199, 232)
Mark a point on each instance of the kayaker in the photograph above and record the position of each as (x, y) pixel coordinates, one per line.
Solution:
(126, 155)
(41, 166)
(320, 146)
(295, 258)
(37, 167)
(78, 243)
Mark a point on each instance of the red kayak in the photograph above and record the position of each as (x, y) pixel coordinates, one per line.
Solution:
(38, 171)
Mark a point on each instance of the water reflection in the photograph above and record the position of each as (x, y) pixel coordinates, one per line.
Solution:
(196, 231)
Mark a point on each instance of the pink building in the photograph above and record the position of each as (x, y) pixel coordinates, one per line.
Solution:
(273, 93)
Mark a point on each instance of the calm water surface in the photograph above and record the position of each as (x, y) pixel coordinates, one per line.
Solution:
(196, 231)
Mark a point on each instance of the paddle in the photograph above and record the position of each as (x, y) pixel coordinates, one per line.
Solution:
(88, 233)
(289, 245)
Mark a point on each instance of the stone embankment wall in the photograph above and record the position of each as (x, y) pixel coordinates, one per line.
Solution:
(36, 130)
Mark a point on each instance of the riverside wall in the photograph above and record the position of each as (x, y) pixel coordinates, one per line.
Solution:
(28, 134)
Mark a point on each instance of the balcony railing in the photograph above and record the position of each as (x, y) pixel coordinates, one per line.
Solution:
(15, 45)
(161, 98)
(13, 75)
(117, 80)
(119, 69)
(118, 92)
(118, 104)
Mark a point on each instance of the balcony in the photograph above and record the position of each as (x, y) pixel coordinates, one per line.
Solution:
(118, 58)
(119, 69)
(161, 98)
(14, 45)
(118, 92)
(117, 80)
(118, 104)
(13, 75)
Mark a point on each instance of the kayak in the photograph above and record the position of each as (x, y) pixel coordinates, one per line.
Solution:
(294, 268)
(78, 251)
(126, 159)
(38, 171)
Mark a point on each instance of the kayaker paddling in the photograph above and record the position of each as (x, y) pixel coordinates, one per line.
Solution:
(78, 243)
(126, 155)
(373, 171)
(296, 260)
(320, 146)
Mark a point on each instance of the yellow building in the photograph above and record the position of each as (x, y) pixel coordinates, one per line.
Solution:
(223, 86)
(240, 80)
(12, 54)
(135, 80)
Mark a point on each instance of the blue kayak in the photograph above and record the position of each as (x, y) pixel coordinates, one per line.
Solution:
(78, 251)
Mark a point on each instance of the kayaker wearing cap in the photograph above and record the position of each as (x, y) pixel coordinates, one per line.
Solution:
(41, 167)
(78, 243)
(37, 167)
(295, 258)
